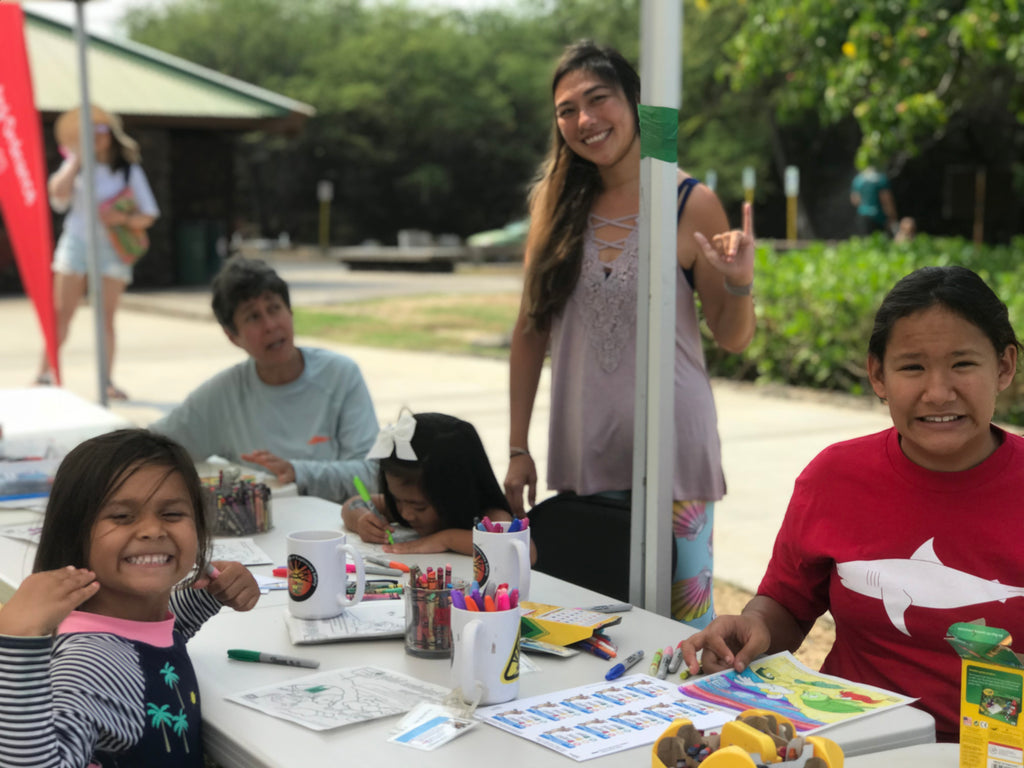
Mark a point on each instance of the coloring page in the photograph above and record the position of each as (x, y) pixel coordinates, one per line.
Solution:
(340, 697)
(779, 683)
(244, 551)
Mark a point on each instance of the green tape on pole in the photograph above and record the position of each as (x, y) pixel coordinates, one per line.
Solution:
(659, 133)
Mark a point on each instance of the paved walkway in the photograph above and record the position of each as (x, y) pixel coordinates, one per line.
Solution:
(168, 343)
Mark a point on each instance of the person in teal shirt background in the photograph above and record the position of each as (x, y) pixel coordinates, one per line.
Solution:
(873, 198)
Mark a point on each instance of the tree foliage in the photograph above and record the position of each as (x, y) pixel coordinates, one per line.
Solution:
(436, 119)
(902, 68)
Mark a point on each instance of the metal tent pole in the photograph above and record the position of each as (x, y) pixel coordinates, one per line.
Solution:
(88, 153)
(654, 441)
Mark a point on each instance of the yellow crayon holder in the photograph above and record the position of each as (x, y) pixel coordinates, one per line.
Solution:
(742, 744)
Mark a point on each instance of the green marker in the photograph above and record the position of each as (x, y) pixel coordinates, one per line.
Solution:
(361, 490)
(364, 494)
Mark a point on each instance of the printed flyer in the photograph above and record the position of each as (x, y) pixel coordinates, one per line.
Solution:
(603, 718)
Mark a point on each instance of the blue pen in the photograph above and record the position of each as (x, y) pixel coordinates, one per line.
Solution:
(583, 645)
(619, 669)
(515, 526)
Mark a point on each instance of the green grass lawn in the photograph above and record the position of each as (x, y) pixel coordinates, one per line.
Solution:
(461, 324)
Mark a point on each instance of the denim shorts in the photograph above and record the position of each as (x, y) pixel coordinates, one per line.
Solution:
(69, 258)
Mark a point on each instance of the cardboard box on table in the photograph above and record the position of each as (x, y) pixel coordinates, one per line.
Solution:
(991, 692)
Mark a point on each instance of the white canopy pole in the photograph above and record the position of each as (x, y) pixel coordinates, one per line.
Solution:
(87, 148)
(654, 441)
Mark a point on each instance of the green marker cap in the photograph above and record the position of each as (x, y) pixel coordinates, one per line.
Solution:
(241, 655)
(361, 489)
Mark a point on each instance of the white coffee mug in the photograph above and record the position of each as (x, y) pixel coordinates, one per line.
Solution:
(485, 654)
(317, 575)
(502, 558)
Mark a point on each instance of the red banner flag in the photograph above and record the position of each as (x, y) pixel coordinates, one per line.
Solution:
(23, 198)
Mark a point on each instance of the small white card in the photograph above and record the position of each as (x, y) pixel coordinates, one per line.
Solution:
(429, 726)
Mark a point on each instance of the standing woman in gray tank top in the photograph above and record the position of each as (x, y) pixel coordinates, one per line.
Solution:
(579, 301)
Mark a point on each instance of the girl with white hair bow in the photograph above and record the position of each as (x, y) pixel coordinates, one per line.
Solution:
(436, 480)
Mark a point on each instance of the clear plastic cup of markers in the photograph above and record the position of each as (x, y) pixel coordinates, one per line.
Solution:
(428, 621)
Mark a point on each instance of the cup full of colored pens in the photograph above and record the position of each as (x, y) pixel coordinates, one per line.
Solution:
(501, 554)
(428, 602)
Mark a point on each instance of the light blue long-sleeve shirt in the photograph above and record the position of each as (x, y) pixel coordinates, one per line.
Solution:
(324, 422)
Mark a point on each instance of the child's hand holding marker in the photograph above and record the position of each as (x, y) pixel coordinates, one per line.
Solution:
(362, 516)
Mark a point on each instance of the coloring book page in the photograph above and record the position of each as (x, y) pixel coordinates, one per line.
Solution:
(779, 683)
(377, 618)
(244, 551)
(340, 697)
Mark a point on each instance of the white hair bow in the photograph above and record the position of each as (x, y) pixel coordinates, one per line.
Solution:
(395, 438)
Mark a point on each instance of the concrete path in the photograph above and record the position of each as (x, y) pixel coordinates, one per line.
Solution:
(168, 344)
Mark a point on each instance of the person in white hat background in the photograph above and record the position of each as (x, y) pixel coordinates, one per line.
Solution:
(117, 169)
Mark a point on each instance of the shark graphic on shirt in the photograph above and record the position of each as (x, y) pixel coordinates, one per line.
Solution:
(921, 581)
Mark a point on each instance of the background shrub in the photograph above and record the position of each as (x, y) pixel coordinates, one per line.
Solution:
(815, 308)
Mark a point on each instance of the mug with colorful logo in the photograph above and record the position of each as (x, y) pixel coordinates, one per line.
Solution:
(502, 557)
(485, 654)
(318, 577)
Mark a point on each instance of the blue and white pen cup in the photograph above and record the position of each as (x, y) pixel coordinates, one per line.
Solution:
(485, 654)
(318, 577)
(502, 558)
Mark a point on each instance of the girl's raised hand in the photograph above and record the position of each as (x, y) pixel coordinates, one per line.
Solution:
(45, 599)
(233, 585)
(732, 253)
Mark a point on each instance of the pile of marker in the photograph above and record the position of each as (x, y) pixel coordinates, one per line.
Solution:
(378, 589)
(494, 597)
(598, 644)
(238, 508)
(667, 662)
(664, 663)
(485, 524)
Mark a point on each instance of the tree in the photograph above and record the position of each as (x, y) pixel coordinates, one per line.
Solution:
(902, 68)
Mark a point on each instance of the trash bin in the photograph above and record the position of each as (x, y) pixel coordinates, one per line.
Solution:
(196, 255)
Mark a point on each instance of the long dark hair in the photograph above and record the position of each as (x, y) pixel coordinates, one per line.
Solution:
(959, 290)
(451, 468)
(565, 190)
(90, 474)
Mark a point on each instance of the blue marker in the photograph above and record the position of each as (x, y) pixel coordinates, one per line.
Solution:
(619, 669)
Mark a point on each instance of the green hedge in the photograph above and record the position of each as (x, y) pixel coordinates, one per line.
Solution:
(815, 308)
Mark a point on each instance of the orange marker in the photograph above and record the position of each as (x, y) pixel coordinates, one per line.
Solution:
(471, 604)
(489, 603)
